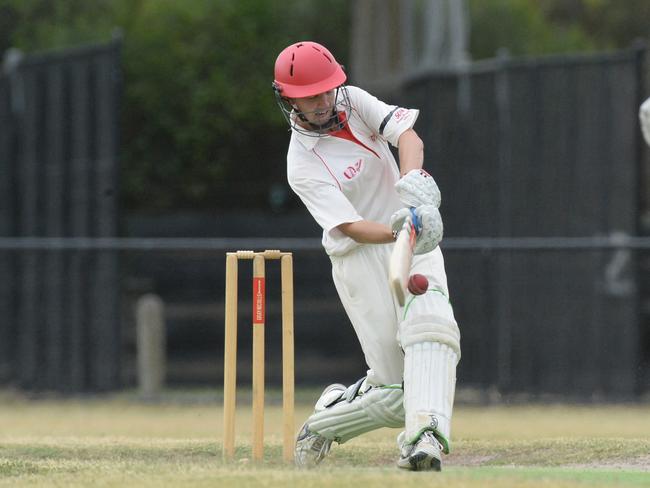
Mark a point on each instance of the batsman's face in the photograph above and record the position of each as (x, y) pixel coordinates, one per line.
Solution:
(317, 109)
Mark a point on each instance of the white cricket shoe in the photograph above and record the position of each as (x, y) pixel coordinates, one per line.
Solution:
(424, 455)
(311, 448)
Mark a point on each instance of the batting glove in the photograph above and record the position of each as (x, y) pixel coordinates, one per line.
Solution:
(428, 226)
(418, 187)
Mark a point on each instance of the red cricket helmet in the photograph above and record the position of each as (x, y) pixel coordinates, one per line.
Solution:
(305, 69)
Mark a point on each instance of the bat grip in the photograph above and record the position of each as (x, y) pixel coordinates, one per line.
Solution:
(415, 220)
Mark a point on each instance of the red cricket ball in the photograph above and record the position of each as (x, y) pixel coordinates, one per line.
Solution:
(418, 284)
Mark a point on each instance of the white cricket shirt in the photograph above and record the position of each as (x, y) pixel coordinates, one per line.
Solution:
(340, 180)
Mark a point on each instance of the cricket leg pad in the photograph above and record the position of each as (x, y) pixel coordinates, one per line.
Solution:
(431, 342)
(349, 416)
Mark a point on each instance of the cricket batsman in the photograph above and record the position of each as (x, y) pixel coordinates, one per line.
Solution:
(340, 165)
(644, 117)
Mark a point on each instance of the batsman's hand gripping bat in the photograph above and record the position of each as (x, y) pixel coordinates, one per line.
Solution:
(401, 257)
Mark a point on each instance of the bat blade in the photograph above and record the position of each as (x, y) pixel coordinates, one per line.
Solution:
(400, 261)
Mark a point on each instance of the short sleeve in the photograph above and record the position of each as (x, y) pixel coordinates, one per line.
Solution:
(325, 202)
(387, 121)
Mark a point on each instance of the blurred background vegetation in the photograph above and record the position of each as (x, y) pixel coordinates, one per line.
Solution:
(198, 112)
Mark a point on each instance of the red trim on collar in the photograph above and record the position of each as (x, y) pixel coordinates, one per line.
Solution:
(346, 133)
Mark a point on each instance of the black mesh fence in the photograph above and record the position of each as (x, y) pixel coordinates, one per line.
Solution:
(543, 148)
(59, 325)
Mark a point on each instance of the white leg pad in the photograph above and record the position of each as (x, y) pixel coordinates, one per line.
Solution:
(378, 407)
(429, 387)
(430, 328)
(430, 339)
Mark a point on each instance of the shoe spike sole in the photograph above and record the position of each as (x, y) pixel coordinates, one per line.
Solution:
(419, 463)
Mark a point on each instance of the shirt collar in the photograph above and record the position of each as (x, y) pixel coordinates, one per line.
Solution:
(309, 142)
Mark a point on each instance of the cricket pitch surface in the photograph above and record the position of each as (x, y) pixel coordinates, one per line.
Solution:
(119, 440)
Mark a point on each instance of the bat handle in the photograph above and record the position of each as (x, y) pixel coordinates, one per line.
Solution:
(415, 221)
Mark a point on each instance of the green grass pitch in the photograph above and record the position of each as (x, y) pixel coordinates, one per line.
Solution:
(120, 441)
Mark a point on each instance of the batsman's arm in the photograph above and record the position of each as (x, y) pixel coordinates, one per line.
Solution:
(410, 151)
(367, 232)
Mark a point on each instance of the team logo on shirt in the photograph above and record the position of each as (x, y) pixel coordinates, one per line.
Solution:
(354, 169)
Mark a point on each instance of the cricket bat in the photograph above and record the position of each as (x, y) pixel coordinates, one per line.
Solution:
(400, 260)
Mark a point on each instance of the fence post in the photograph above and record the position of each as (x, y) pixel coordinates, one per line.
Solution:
(7, 220)
(151, 344)
(504, 260)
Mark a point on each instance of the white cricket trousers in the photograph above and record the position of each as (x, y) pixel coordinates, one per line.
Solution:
(361, 280)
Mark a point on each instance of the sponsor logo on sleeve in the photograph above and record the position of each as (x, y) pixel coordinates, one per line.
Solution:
(400, 114)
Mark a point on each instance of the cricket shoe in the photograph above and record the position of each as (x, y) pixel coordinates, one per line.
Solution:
(311, 447)
(424, 455)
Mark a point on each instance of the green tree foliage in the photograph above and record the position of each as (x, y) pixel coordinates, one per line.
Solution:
(609, 24)
(200, 125)
(203, 127)
(40, 24)
(521, 27)
(534, 27)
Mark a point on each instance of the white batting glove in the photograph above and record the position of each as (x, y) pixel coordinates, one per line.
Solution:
(417, 187)
(644, 117)
(428, 224)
